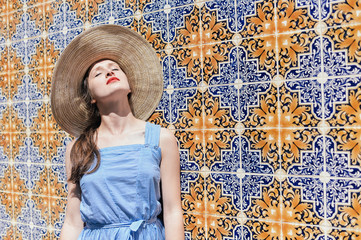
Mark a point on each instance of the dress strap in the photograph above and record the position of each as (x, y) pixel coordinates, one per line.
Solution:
(152, 134)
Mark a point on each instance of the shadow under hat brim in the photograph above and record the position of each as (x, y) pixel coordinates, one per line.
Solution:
(131, 51)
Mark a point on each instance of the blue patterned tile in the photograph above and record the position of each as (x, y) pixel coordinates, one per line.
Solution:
(179, 101)
(252, 160)
(26, 39)
(176, 20)
(112, 10)
(310, 92)
(309, 64)
(244, 8)
(177, 75)
(311, 162)
(65, 27)
(230, 159)
(248, 69)
(338, 193)
(29, 214)
(5, 226)
(231, 186)
(228, 99)
(228, 71)
(159, 23)
(252, 188)
(248, 96)
(336, 91)
(155, 5)
(185, 164)
(226, 11)
(312, 5)
(336, 62)
(339, 163)
(186, 178)
(312, 191)
(164, 106)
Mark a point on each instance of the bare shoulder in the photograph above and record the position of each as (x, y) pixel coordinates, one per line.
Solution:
(167, 137)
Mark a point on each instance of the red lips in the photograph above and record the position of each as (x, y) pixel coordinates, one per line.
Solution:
(112, 79)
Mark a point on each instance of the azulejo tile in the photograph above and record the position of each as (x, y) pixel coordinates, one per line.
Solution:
(228, 158)
(341, 101)
(41, 184)
(174, 76)
(185, 107)
(194, 226)
(159, 23)
(192, 146)
(199, 29)
(344, 234)
(181, 19)
(225, 11)
(222, 106)
(153, 31)
(337, 61)
(37, 15)
(307, 94)
(342, 161)
(294, 36)
(251, 160)
(216, 143)
(342, 197)
(23, 225)
(58, 182)
(108, 11)
(5, 227)
(224, 195)
(50, 11)
(222, 227)
(228, 71)
(311, 162)
(26, 39)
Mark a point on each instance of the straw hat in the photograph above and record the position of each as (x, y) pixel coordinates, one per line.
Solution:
(131, 51)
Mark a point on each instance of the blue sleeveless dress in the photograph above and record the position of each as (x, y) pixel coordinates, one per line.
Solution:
(120, 200)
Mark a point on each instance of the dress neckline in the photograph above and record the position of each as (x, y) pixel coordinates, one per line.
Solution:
(146, 132)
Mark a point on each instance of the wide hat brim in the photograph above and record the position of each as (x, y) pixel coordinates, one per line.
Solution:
(131, 51)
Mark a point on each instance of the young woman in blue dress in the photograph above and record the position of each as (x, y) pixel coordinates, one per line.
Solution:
(106, 82)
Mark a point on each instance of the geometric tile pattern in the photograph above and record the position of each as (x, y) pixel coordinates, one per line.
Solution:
(262, 95)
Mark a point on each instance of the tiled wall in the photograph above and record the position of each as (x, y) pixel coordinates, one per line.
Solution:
(263, 96)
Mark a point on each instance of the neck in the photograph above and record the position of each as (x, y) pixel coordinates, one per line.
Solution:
(116, 116)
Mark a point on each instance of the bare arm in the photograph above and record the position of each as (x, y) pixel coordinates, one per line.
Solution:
(73, 224)
(170, 175)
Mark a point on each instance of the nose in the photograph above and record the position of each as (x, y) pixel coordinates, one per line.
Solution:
(111, 73)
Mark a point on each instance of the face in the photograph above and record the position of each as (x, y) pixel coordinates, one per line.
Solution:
(105, 78)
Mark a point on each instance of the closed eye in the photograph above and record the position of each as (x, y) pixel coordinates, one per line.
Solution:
(96, 75)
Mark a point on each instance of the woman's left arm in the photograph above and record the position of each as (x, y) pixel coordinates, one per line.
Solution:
(170, 177)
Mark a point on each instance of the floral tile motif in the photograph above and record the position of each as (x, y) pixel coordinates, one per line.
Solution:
(176, 17)
(282, 209)
(50, 11)
(339, 194)
(26, 38)
(345, 23)
(175, 77)
(191, 144)
(336, 62)
(226, 11)
(64, 27)
(101, 11)
(206, 196)
(292, 39)
(280, 123)
(228, 71)
(159, 20)
(37, 15)
(252, 186)
(151, 32)
(229, 159)
(207, 31)
(312, 162)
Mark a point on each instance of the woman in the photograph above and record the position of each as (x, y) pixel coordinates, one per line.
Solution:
(105, 83)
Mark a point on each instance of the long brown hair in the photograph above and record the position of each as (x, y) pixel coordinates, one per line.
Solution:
(84, 149)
